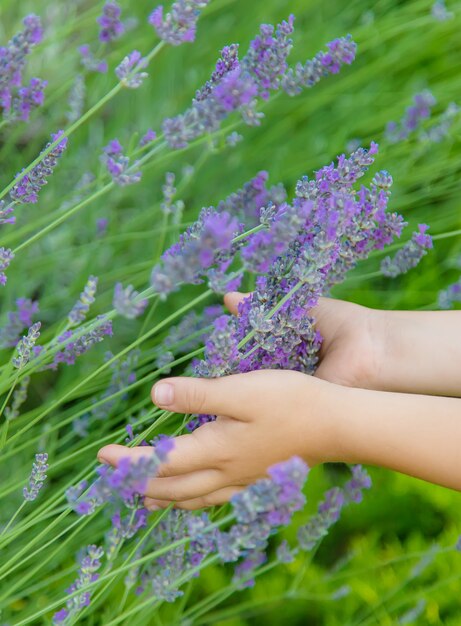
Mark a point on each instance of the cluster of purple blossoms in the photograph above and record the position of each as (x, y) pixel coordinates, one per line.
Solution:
(149, 136)
(259, 511)
(180, 24)
(440, 12)
(121, 486)
(6, 256)
(19, 397)
(131, 70)
(111, 27)
(330, 508)
(303, 250)
(37, 477)
(17, 321)
(127, 303)
(25, 346)
(118, 165)
(123, 375)
(81, 308)
(410, 122)
(16, 99)
(409, 255)
(236, 85)
(72, 343)
(28, 187)
(205, 247)
(90, 62)
(90, 561)
(340, 52)
(447, 297)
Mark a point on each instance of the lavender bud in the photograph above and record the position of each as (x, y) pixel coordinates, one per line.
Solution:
(87, 297)
(111, 27)
(19, 397)
(447, 297)
(180, 24)
(409, 255)
(37, 477)
(6, 256)
(440, 12)
(127, 303)
(90, 62)
(420, 110)
(129, 71)
(118, 165)
(26, 345)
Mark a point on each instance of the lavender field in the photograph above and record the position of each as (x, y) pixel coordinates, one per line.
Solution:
(154, 159)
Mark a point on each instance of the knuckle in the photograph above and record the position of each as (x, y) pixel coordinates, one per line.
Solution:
(196, 398)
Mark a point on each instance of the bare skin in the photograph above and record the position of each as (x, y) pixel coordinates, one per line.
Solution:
(373, 400)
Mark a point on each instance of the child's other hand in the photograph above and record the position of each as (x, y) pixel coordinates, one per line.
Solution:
(263, 417)
(353, 345)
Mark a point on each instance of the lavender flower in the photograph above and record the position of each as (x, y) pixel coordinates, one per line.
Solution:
(111, 27)
(353, 489)
(191, 330)
(89, 561)
(124, 484)
(37, 477)
(81, 308)
(447, 297)
(307, 246)
(25, 346)
(118, 165)
(27, 99)
(101, 226)
(129, 72)
(6, 256)
(329, 509)
(17, 100)
(420, 110)
(5, 213)
(180, 25)
(90, 62)
(19, 397)
(409, 255)
(440, 12)
(126, 301)
(148, 138)
(236, 85)
(71, 345)
(340, 52)
(19, 319)
(28, 187)
(206, 244)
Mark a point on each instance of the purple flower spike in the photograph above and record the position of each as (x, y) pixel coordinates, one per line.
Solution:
(447, 297)
(126, 301)
(27, 189)
(111, 27)
(180, 24)
(16, 99)
(6, 256)
(118, 165)
(129, 72)
(409, 255)
(37, 477)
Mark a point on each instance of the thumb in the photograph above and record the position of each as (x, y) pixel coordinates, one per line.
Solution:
(233, 299)
(237, 396)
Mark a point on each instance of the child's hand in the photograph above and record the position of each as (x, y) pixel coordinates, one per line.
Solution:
(354, 340)
(264, 417)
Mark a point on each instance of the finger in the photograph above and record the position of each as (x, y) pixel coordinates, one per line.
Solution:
(233, 299)
(185, 487)
(238, 396)
(221, 496)
(197, 451)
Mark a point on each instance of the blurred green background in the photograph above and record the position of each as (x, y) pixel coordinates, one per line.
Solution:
(363, 573)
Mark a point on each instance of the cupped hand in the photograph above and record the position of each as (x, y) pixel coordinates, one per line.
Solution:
(354, 339)
(263, 417)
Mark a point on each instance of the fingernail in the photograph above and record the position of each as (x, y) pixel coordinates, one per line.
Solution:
(101, 459)
(163, 394)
